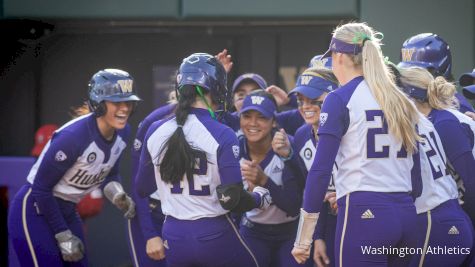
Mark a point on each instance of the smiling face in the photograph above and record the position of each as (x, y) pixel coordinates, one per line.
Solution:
(310, 108)
(117, 114)
(256, 127)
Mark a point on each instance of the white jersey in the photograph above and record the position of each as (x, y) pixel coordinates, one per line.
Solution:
(197, 197)
(369, 158)
(80, 156)
(273, 214)
(438, 185)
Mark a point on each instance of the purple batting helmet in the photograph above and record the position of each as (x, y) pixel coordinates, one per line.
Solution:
(429, 51)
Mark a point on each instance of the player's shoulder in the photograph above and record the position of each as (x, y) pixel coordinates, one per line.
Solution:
(302, 133)
(158, 114)
(77, 129)
(441, 115)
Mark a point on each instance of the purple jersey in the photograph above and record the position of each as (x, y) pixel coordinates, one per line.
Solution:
(75, 161)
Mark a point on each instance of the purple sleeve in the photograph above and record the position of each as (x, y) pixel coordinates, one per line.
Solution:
(465, 166)
(464, 104)
(142, 203)
(228, 158)
(290, 120)
(295, 164)
(292, 101)
(458, 149)
(50, 171)
(144, 180)
(322, 222)
(319, 175)
(454, 139)
(333, 124)
(287, 197)
(231, 120)
(145, 219)
(334, 117)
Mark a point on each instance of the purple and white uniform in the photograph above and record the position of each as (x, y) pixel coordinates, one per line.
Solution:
(270, 233)
(305, 146)
(148, 220)
(197, 230)
(75, 161)
(441, 220)
(456, 132)
(373, 180)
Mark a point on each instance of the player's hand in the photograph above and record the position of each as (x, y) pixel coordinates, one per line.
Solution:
(330, 197)
(281, 144)
(225, 59)
(253, 173)
(126, 204)
(155, 248)
(279, 94)
(301, 255)
(116, 194)
(470, 114)
(320, 256)
(71, 246)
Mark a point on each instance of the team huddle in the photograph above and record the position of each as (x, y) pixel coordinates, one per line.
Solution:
(371, 164)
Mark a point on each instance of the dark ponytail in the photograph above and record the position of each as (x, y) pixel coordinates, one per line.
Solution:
(181, 158)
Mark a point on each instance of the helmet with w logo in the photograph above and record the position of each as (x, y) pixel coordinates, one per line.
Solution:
(112, 85)
(204, 70)
(429, 51)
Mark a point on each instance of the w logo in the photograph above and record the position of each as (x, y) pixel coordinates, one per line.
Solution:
(305, 80)
(406, 53)
(257, 100)
(126, 85)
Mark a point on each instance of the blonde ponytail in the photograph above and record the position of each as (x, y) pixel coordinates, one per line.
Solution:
(440, 92)
(400, 113)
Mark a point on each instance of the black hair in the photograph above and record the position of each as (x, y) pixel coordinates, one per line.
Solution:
(181, 159)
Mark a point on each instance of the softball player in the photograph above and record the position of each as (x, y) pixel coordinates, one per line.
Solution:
(445, 222)
(269, 232)
(81, 156)
(311, 89)
(192, 160)
(373, 180)
(246, 83)
(145, 229)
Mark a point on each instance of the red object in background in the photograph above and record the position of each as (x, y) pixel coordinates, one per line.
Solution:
(42, 136)
(90, 205)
